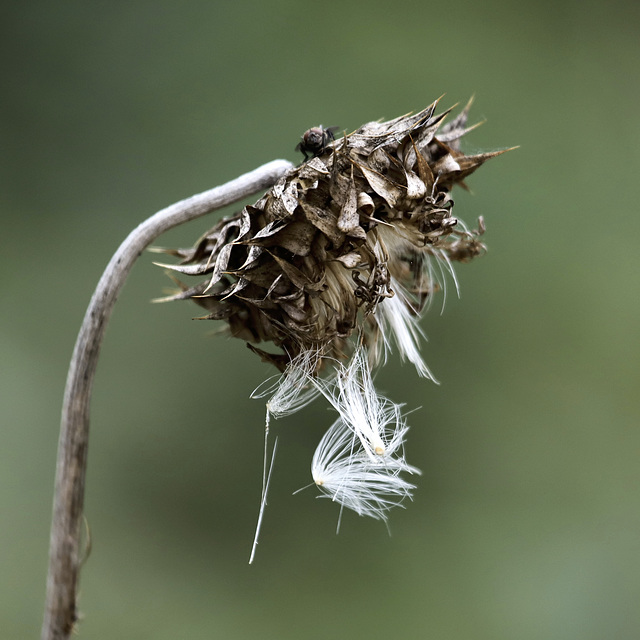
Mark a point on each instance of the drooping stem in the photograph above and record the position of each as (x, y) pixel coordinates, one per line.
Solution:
(64, 551)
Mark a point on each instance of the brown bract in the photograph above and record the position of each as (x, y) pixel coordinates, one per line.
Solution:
(306, 266)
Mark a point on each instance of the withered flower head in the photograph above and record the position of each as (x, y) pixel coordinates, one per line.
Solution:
(331, 265)
(311, 261)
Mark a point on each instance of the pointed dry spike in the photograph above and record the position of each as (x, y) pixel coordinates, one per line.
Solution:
(185, 294)
(449, 135)
(238, 286)
(468, 164)
(432, 126)
(173, 298)
(431, 109)
(272, 286)
(388, 122)
(461, 119)
(440, 117)
(187, 269)
(425, 115)
(448, 149)
(253, 254)
(222, 262)
(212, 316)
(467, 107)
(177, 253)
(419, 121)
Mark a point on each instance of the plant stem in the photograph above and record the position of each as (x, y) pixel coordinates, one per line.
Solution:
(64, 552)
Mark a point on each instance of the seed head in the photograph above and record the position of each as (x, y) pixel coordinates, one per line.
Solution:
(323, 253)
(334, 266)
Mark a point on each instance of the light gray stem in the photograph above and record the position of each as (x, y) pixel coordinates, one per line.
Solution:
(64, 551)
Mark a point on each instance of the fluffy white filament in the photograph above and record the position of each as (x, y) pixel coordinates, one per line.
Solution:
(359, 460)
(397, 316)
(354, 397)
(345, 472)
(293, 389)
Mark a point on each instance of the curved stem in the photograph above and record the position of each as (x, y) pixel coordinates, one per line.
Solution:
(64, 551)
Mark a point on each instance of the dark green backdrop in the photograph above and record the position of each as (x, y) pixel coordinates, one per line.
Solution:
(526, 522)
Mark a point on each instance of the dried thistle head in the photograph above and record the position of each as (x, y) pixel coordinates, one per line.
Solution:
(322, 253)
(339, 258)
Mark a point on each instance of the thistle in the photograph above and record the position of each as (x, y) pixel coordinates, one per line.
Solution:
(334, 266)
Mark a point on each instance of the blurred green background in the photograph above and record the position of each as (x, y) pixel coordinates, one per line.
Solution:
(526, 522)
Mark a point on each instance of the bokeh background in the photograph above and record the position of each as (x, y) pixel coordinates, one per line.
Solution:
(526, 522)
